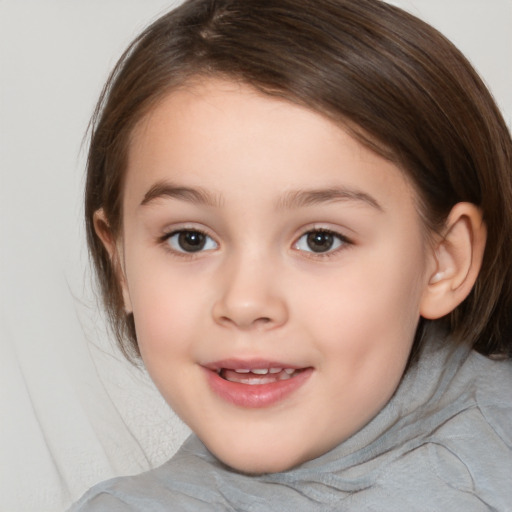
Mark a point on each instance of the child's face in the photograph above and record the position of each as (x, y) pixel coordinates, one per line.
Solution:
(259, 236)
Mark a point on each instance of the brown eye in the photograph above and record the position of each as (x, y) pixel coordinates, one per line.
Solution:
(320, 241)
(190, 241)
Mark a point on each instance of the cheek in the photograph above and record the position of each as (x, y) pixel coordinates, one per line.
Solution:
(370, 306)
(166, 319)
(165, 308)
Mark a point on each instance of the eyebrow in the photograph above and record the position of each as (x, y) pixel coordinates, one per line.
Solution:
(290, 200)
(301, 198)
(164, 189)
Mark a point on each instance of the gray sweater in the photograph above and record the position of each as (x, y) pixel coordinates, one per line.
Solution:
(442, 443)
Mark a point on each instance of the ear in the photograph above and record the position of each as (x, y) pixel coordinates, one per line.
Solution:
(112, 246)
(458, 258)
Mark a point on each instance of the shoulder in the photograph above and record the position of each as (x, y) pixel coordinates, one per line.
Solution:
(182, 483)
(454, 448)
(472, 385)
(127, 494)
(472, 449)
(99, 498)
(492, 395)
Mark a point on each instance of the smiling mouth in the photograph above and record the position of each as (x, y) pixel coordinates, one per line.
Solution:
(255, 384)
(258, 377)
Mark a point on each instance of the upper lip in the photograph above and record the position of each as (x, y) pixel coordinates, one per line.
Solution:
(248, 364)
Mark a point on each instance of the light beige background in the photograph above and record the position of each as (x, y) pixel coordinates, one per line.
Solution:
(72, 412)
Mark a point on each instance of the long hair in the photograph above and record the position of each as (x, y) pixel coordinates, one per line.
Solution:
(397, 84)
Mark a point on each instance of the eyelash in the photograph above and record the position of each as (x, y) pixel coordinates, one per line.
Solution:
(342, 241)
(337, 238)
(165, 240)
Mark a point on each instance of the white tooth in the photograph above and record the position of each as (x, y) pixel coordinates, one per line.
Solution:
(275, 370)
(260, 371)
(242, 370)
(289, 371)
(259, 380)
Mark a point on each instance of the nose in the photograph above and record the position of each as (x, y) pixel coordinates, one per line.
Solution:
(250, 297)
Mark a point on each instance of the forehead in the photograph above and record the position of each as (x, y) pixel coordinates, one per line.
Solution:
(228, 137)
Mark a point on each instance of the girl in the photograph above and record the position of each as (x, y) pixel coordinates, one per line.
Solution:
(300, 213)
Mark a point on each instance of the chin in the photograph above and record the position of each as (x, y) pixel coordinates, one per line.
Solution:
(255, 468)
(262, 462)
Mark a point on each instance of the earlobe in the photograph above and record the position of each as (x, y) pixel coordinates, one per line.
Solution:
(458, 258)
(111, 244)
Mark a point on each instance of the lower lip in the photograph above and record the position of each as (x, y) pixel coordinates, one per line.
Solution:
(257, 395)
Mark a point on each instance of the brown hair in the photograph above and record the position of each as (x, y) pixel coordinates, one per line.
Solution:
(400, 86)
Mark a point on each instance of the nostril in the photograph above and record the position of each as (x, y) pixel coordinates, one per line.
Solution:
(264, 320)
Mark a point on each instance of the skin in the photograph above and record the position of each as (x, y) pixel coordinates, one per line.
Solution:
(257, 290)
